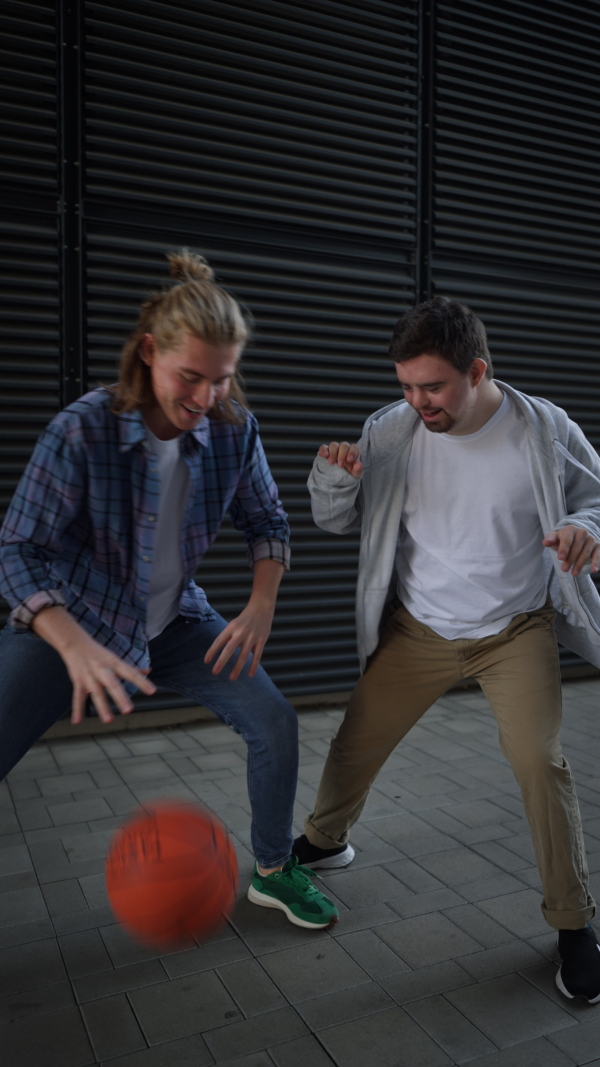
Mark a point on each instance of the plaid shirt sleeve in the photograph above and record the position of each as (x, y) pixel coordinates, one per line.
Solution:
(256, 509)
(46, 501)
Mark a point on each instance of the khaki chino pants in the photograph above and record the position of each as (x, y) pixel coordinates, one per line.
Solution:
(519, 673)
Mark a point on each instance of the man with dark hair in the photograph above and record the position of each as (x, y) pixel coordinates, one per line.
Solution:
(480, 516)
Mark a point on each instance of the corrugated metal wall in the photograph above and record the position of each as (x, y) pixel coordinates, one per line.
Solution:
(29, 273)
(300, 147)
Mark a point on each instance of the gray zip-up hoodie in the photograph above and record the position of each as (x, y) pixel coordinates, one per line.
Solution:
(566, 482)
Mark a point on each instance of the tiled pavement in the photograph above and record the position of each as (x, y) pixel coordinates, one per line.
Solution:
(440, 957)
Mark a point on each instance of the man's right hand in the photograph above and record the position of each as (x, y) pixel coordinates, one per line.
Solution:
(343, 455)
(93, 669)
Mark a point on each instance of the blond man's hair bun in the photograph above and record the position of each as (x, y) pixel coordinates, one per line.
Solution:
(186, 266)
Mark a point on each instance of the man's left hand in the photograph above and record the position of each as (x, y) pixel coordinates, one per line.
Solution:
(574, 547)
(248, 633)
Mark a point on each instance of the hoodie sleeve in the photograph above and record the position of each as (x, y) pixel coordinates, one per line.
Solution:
(581, 482)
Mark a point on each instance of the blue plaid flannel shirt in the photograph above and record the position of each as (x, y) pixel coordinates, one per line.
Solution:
(80, 528)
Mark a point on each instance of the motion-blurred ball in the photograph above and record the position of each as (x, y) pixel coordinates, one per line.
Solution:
(171, 874)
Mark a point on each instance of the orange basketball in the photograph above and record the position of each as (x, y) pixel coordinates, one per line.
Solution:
(171, 874)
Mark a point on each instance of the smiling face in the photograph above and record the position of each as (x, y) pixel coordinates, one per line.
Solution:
(187, 381)
(445, 400)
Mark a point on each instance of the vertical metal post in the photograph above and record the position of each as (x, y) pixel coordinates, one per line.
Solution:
(425, 148)
(70, 62)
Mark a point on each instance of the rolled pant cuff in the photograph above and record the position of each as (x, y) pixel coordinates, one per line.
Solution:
(321, 840)
(569, 920)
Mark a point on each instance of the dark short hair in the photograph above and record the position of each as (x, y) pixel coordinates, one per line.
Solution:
(441, 327)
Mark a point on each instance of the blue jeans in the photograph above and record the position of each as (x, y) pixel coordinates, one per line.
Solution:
(35, 691)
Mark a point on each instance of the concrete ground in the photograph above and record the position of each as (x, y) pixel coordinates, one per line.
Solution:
(441, 955)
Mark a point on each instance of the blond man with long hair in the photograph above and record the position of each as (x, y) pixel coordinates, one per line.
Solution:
(121, 500)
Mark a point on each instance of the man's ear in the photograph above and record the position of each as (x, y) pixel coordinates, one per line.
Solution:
(477, 371)
(147, 349)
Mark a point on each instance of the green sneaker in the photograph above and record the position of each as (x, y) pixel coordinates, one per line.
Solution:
(292, 891)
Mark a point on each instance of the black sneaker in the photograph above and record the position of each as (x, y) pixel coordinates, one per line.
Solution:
(579, 972)
(314, 857)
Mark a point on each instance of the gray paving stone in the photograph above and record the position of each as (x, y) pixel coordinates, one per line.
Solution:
(491, 885)
(24, 790)
(84, 953)
(15, 859)
(362, 918)
(119, 980)
(150, 747)
(26, 967)
(310, 970)
(458, 1037)
(81, 847)
(80, 811)
(504, 959)
(423, 903)
(123, 950)
(183, 1052)
(40, 1039)
(93, 887)
(425, 982)
(22, 906)
(371, 885)
(91, 919)
(509, 1010)
(457, 866)
(369, 951)
(64, 897)
(55, 785)
(303, 1052)
(136, 770)
(389, 1039)
(518, 912)
(25, 933)
(255, 1059)
(501, 855)
(253, 1035)
(479, 926)
(413, 876)
(112, 1027)
(347, 1004)
(44, 999)
(205, 958)
(183, 1007)
(536, 1053)
(250, 987)
(32, 815)
(426, 939)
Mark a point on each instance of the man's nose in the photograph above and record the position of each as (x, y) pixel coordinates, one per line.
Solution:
(203, 396)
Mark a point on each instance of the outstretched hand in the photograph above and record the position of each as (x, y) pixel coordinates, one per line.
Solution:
(343, 455)
(249, 633)
(97, 672)
(575, 548)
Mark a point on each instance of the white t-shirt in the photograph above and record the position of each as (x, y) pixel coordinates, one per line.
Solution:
(166, 575)
(470, 555)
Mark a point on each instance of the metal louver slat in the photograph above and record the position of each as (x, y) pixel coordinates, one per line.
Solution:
(29, 104)
(284, 112)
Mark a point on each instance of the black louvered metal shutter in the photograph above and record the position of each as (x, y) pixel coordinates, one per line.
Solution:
(280, 141)
(516, 201)
(30, 343)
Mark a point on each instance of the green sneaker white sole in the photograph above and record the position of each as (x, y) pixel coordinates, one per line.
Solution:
(292, 892)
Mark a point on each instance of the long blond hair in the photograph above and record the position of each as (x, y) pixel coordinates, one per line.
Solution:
(194, 305)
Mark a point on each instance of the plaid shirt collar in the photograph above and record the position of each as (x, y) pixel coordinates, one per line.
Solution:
(132, 431)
